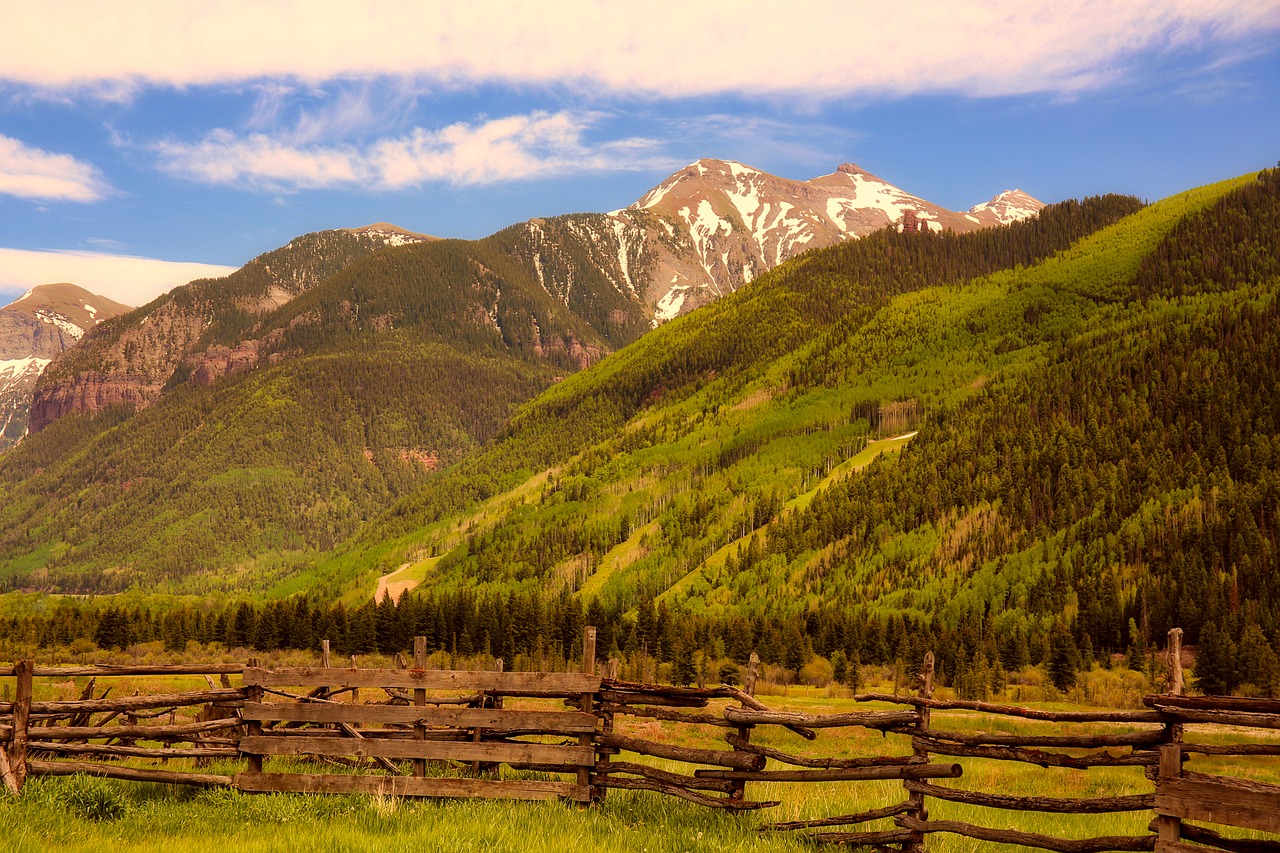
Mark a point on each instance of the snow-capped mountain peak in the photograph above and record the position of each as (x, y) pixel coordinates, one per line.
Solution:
(724, 223)
(1008, 206)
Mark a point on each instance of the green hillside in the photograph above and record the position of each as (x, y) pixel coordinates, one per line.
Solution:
(1095, 445)
(398, 363)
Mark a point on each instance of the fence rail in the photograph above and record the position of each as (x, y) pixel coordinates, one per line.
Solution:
(412, 718)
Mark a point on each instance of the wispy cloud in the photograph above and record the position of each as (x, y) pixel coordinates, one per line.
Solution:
(124, 278)
(520, 147)
(828, 48)
(33, 173)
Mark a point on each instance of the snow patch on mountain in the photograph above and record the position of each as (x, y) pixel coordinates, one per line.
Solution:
(17, 368)
(61, 321)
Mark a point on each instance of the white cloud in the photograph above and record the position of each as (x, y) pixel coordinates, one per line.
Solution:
(821, 48)
(518, 147)
(28, 172)
(124, 278)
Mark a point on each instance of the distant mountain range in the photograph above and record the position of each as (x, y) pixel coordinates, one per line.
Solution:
(38, 326)
(237, 423)
(703, 232)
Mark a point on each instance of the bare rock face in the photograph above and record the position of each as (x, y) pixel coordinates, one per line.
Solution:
(90, 393)
(37, 327)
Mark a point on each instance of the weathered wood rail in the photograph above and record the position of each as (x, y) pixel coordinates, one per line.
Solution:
(393, 731)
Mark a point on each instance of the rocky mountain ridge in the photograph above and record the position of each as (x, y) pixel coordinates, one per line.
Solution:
(704, 232)
(36, 327)
(718, 224)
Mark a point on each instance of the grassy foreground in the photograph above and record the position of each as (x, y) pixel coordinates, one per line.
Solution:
(84, 814)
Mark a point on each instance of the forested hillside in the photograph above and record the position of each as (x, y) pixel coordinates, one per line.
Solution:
(1093, 449)
(398, 364)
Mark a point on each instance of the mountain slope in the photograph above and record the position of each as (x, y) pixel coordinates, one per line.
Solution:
(35, 328)
(1089, 441)
(129, 361)
(635, 396)
(402, 362)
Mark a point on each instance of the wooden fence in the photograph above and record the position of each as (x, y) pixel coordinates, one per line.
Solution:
(398, 728)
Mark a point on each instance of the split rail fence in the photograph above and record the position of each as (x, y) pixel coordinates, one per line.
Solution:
(409, 731)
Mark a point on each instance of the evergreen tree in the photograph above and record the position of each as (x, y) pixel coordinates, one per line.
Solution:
(1215, 667)
(1064, 658)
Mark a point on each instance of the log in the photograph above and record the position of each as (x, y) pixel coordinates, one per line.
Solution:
(908, 771)
(721, 692)
(130, 774)
(625, 698)
(1145, 758)
(1056, 805)
(659, 713)
(863, 839)
(1224, 718)
(409, 786)
(866, 719)
(693, 782)
(132, 751)
(1018, 710)
(1145, 738)
(133, 669)
(691, 755)
(1232, 748)
(1218, 799)
(919, 809)
(173, 732)
(551, 722)
(136, 703)
(1029, 839)
(755, 704)
(21, 721)
(1204, 835)
(729, 803)
(741, 743)
(840, 820)
(1214, 703)
(553, 684)
(536, 753)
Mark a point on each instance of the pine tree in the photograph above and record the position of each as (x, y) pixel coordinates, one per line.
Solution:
(1064, 658)
(1215, 667)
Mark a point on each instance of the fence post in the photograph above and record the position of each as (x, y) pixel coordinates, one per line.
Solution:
(14, 769)
(419, 698)
(921, 756)
(1170, 828)
(739, 791)
(254, 729)
(587, 705)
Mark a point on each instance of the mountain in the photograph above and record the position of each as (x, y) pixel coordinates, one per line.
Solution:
(207, 325)
(240, 424)
(703, 232)
(1067, 424)
(717, 224)
(39, 325)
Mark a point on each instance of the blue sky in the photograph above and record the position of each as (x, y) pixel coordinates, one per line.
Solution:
(145, 144)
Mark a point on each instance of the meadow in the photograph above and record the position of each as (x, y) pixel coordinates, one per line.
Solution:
(81, 813)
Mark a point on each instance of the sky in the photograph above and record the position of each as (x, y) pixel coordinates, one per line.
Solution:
(145, 144)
